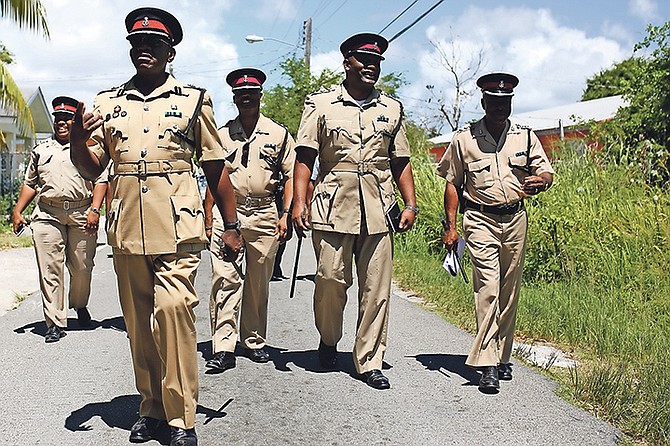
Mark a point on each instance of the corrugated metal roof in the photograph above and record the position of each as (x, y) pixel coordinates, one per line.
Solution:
(568, 115)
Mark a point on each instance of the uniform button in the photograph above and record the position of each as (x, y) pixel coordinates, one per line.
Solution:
(143, 153)
(146, 108)
(146, 129)
(145, 189)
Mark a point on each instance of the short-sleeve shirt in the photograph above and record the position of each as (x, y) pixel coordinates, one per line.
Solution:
(256, 164)
(354, 143)
(53, 176)
(152, 141)
(492, 173)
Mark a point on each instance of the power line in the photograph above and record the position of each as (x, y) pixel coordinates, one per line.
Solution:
(337, 9)
(415, 22)
(398, 16)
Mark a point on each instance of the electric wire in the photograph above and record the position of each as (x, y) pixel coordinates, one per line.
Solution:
(415, 21)
(398, 16)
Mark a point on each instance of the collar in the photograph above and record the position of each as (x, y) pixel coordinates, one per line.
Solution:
(344, 97)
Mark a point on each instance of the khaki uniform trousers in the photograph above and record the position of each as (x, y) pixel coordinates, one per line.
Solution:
(497, 244)
(60, 240)
(374, 267)
(157, 299)
(230, 292)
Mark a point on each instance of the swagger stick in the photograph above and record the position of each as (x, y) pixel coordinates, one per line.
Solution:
(295, 268)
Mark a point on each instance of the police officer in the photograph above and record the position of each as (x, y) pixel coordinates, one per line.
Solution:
(150, 129)
(493, 165)
(64, 222)
(259, 156)
(357, 133)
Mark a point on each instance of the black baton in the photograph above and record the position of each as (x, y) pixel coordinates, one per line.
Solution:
(295, 268)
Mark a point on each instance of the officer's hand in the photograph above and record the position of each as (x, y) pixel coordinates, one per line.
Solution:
(208, 233)
(92, 221)
(407, 220)
(283, 229)
(450, 239)
(231, 244)
(18, 223)
(300, 219)
(83, 125)
(533, 185)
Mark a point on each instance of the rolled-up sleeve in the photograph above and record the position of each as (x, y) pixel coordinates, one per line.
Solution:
(451, 165)
(208, 142)
(308, 133)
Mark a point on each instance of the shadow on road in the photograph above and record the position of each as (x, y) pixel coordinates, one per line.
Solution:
(445, 363)
(121, 413)
(40, 328)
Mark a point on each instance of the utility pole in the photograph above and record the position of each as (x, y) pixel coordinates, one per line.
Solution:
(307, 26)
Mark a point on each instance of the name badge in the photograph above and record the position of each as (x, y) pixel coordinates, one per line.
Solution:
(176, 114)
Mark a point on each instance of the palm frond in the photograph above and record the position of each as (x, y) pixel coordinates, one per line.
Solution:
(12, 100)
(30, 14)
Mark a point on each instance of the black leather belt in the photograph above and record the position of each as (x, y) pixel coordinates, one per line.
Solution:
(505, 209)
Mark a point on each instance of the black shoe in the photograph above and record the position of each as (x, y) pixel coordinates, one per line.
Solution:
(489, 383)
(145, 429)
(277, 276)
(505, 372)
(83, 317)
(54, 333)
(257, 355)
(183, 437)
(377, 380)
(221, 362)
(327, 355)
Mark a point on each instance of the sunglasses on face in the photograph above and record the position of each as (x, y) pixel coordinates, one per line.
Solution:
(154, 42)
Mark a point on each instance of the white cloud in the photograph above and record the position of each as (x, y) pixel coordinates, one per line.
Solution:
(87, 53)
(276, 9)
(644, 9)
(552, 61)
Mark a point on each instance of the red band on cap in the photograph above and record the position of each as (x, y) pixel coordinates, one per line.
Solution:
(150, 24)
(497, 86)
(367, 46)
(65, 108)
(247, 80)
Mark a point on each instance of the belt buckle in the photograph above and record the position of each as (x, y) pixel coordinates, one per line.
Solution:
(360, 167)
(66, 205)
(142, 168)
(248, 201)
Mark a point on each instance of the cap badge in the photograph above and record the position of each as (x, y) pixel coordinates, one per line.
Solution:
(501, 84)
(246, 78)
(145, 22)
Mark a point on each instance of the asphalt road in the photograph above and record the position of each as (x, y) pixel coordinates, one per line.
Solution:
(80, 391)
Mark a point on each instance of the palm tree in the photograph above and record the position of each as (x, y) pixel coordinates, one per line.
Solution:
(29, 14)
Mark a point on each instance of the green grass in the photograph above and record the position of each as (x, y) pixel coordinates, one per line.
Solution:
(595, 282)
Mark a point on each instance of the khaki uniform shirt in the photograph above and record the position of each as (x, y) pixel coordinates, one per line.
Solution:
(155, 205)
(258, 163)
(53, 176)
(492, 173)
(355, 144)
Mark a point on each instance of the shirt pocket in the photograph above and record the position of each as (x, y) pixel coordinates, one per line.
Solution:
(479, 173)
(189, 218)
(382, 136)
(323, 203)
(338, 134)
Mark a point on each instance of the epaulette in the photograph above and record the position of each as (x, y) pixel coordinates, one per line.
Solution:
(113, 89)
(324, 90)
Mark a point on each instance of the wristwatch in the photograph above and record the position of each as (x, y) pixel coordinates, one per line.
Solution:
(232, 225)
(96, 210)
(413, 209)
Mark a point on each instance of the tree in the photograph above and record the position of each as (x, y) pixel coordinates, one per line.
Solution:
(639, 135)
(284, 103)
(612, 81)
(29, 14)
(460, 72)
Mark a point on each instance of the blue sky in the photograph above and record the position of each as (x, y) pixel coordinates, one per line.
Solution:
(553, 47)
